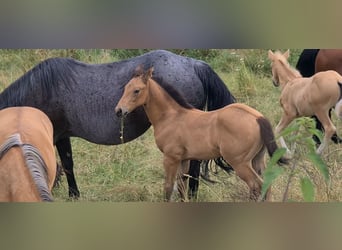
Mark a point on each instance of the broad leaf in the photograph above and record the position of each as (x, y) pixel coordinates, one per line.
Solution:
(271, 173)
(307, 189)
(319, 163)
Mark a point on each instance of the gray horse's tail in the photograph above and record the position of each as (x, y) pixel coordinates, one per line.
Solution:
(216, 91)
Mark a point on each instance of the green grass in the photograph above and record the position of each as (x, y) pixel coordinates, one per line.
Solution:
(134, 171)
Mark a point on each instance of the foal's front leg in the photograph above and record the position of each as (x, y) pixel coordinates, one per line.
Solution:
(171, 166)
(283, 123)
(182, 179)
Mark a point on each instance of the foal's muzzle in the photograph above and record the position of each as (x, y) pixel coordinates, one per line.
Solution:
(275, 83)
(121, 112)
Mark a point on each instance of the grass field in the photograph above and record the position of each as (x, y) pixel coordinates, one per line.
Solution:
(134, 172)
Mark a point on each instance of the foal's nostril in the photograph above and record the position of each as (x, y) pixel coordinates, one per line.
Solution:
(119, 113)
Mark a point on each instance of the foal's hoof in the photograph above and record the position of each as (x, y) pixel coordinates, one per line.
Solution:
(288, 154)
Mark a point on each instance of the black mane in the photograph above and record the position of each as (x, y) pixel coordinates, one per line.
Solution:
(41, 81)
(173, 92)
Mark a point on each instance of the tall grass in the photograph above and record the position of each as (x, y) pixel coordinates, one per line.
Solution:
(134, 171)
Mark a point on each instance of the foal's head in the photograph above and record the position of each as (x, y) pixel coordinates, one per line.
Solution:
(282, 72)
(135, 93)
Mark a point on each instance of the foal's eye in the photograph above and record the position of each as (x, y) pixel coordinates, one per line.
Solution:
(137, 91)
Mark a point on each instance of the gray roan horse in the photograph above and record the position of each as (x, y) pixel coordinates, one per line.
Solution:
(79, 98)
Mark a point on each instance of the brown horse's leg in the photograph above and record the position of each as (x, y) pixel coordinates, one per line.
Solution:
(182, 180)
(171, 166)
(246, 173)
(329, 129)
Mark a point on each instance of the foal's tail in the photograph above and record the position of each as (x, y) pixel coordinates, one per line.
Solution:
(338, 106)
(268, 138)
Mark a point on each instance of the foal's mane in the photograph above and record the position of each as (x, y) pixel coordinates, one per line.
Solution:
(285, 65)
(45, 77)
(172, 91)
(34, 162)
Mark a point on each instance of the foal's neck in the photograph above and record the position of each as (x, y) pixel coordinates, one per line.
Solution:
(288, 74)
(159, 105)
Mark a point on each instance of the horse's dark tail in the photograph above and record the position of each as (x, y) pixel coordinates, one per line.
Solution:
(306, 62)
(216, 91)
(268, 138)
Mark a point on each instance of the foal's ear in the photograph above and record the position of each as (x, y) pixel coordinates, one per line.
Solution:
(139, 70)
(148, 74)
(287, 54)
(270, 54)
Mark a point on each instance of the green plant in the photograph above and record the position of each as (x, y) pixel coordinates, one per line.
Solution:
(299, 134)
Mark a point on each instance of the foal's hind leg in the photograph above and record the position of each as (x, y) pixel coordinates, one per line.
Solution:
(329, 129)
(259, 166)
(246, 172)
(335, 138)
(65, 153)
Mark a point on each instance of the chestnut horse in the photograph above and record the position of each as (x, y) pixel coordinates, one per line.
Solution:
(306, 96)
(237, 132)
(27, 155)
(329, 59)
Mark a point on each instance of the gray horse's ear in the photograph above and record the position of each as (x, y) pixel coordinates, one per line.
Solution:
(148, 75)
(139, 70)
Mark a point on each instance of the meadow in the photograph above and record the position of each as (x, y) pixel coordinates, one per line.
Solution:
(134, 171)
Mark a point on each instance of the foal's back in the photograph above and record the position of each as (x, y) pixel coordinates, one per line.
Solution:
(239, 123)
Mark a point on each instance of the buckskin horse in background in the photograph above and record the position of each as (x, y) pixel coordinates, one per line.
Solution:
(312, 61)
(27, 155)
(306, 96)
(237, 132)
(79, 98)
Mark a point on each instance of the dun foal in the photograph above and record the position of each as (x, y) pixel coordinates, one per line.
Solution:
(27, 155)
(306, 96)
(237, 132)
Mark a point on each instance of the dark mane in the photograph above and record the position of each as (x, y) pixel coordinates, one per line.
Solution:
(174, 93)
(42, 80)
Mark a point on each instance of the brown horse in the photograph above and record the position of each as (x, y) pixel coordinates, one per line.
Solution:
(329, 59)
(27, 155)
(306, 96)
(238, 133)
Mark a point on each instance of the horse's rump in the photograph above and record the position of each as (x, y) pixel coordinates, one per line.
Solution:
(33, 161)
